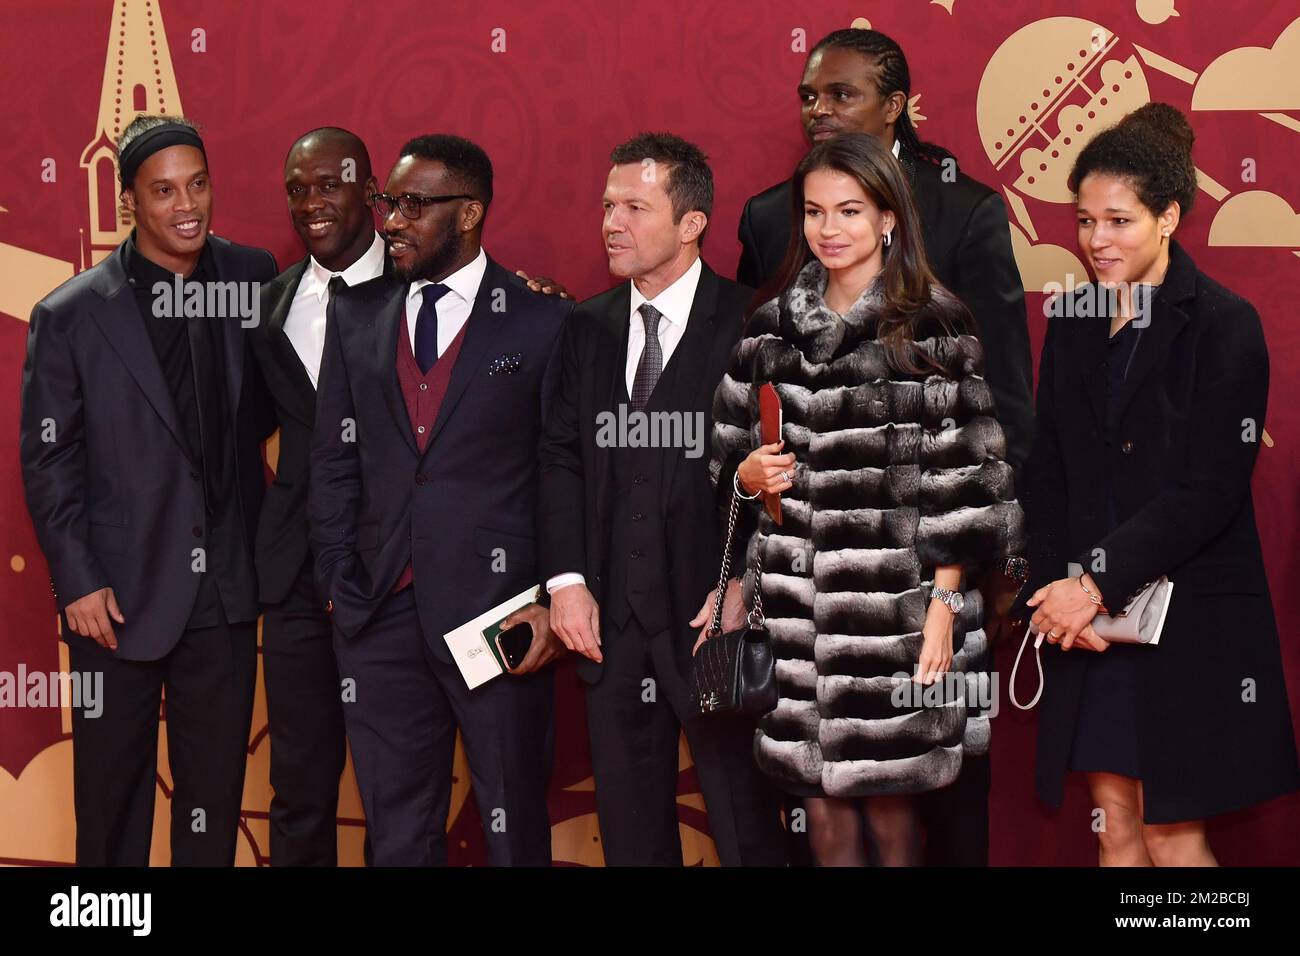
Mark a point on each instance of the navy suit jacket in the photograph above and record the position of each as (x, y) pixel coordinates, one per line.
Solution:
(463, 513)
(113, 493)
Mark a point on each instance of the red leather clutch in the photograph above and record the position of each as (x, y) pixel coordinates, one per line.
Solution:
(769, 413)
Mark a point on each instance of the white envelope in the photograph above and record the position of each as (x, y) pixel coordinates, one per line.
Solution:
(469, 648)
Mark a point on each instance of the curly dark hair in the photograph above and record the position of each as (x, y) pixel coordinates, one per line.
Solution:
(1151, 149)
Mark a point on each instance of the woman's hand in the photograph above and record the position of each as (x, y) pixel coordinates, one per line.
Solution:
(1064, 610)
(936, 649)
(765, 470)
(1089, 640)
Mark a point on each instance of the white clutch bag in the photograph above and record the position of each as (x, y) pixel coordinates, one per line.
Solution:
(1141, 622)
(1142, 619)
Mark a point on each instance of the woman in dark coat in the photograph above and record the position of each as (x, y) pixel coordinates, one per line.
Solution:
(1149, 420)
(894, 482)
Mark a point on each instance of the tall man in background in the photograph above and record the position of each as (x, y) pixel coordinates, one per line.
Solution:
(141, 430)
(858, 81)
(630, 535)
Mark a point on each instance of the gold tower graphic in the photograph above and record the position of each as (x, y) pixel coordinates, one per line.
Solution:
(138, 78)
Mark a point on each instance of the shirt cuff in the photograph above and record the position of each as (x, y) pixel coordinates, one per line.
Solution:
(563, 581)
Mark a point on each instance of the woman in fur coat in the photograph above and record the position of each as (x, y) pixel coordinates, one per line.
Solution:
(894, 490)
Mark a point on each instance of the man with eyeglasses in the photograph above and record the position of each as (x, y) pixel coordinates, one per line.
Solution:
(422, 503)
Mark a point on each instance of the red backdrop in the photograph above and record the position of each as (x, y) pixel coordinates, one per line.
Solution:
(573, 79)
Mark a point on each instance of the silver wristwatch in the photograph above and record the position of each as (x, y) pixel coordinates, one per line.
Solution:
(953, 599)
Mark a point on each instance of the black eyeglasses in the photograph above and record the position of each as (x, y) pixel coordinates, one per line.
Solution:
(410, 204)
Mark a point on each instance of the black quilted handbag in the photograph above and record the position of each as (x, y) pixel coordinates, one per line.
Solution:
(735, 673)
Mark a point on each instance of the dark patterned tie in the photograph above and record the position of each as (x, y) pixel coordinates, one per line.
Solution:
(652, 358)
(426, 327)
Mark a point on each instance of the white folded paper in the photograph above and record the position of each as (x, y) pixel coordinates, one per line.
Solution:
(476, 658)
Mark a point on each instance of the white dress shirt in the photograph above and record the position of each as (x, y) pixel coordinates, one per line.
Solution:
(674, 303)
(305, 323)
(454, 306)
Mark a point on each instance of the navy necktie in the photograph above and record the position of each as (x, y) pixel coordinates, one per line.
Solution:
(426, 327)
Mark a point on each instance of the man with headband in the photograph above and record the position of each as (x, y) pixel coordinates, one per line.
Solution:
(142, 419)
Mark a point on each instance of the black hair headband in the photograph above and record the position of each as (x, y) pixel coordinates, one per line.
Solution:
(150, 142)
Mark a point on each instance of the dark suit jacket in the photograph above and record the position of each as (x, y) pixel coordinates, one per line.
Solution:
(1181, 480)
(968, 243)
(575, 506)
(282, 530)
(115, 498)
(464, 513)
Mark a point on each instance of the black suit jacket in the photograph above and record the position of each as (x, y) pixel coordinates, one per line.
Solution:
(463, 513)
(575, 497)
(282, 543)
(968, 242)
(1180, 475)
(114, 497)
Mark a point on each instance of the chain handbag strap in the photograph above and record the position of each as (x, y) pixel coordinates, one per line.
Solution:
(755, 617)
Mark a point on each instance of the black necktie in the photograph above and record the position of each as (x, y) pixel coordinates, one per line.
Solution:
(426, 327)
(209, 396)
(335, 284)
(652, 358)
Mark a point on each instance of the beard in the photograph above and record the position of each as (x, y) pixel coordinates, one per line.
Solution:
(434, 265)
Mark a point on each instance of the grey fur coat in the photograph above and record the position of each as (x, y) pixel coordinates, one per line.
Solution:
(896, 474)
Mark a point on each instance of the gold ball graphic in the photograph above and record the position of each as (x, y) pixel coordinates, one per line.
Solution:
(1156, 11)
(1048, 89)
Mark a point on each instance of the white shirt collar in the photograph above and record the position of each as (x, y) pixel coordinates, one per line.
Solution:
(464, 281)
(897, 144)
(369, 266)
(675, 301)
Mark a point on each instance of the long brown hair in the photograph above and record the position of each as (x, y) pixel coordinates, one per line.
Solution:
(906, 280)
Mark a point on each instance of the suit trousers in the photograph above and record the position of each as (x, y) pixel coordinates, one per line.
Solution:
(403, 706)
(305, 712)
(208, 679)
(636, 712)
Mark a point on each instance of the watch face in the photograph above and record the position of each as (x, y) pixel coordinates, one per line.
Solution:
(1017, 569)
(958, 602)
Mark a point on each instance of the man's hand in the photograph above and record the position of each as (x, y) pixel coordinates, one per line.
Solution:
(544, 647)
(93, 615)
(575, 618)
(733, 612)
(544, 285)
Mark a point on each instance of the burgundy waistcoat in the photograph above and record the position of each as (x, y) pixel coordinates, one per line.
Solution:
(423, 395)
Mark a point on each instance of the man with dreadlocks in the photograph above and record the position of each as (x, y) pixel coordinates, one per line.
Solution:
(858, 81)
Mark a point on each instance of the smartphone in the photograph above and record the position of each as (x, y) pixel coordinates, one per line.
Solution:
(513, 644)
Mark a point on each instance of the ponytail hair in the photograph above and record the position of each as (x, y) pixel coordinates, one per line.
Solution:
(1151, 150)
